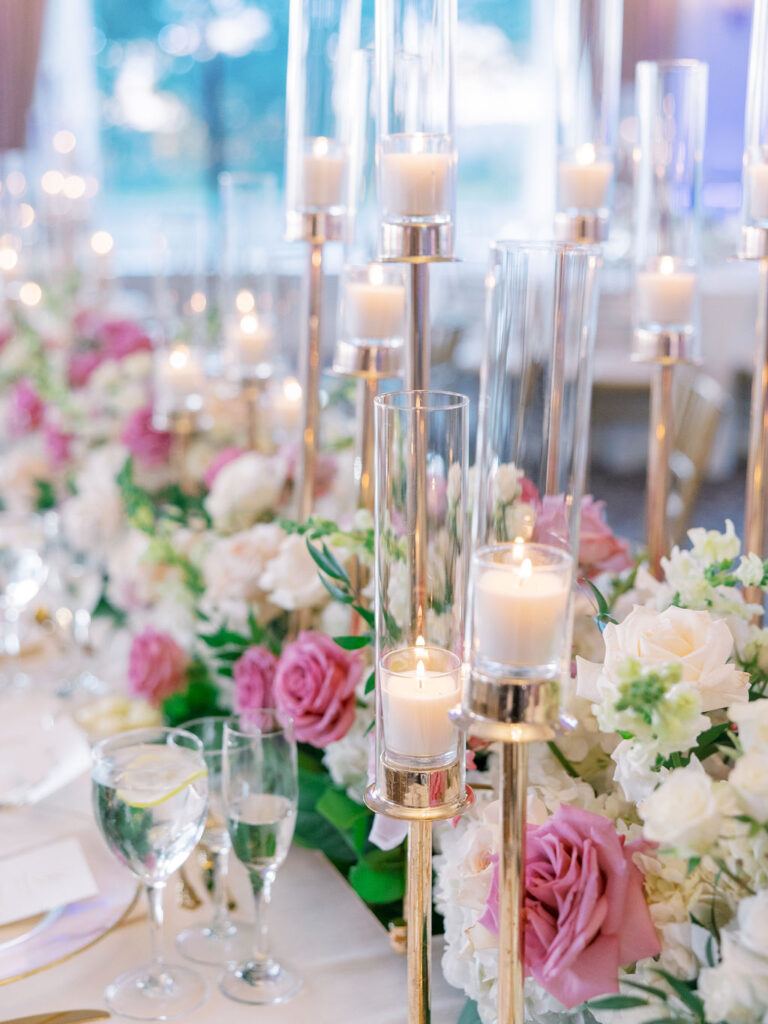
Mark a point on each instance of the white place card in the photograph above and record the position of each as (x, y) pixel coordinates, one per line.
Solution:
(42, 879)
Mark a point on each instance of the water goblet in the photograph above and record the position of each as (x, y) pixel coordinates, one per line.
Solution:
(260, 790)
(222, 941)
(150, 796)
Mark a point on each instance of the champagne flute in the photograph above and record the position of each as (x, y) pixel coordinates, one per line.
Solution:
(260, 790)
(150, 795)
(222, 941)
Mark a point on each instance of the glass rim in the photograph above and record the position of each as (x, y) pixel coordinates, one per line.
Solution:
(483, 556)
(673, 64)
(98, 752)
(450, 400)
(451, 655)
(286, 721)
(552, 246)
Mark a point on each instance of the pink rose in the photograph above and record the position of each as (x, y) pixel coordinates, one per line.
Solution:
(254, 675)
(82, 365)
(157, 666)
(529, 491)
(221, 460)
(121, 338)
(58, 445)
(315, 684)
(149, 446)
(599, 549)
(586, 914)
(551, 524)
(26, 409)
(325, 469)
(6, 333)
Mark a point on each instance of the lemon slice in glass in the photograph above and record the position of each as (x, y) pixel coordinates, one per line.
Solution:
(154, 774)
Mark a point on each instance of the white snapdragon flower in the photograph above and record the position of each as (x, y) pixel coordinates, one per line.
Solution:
(684, 812)
(291, 578)
(737, 989)
(749, 779)
(752, 720)
(635, 769)
(711, 546)
(750, 570)
(506, 484)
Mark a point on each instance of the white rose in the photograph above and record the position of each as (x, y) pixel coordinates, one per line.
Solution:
(347, 758)
(700, 644)
(750, 780)
(519, 520)
(683, 813)
(232, 568)
(726, 996)
(753, 923)
(634, 763)
(506, 484)
(20, 468)
(244, 490)
(752, 720)
(291, 578)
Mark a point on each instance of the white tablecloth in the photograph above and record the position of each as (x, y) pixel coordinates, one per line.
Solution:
(317, 923)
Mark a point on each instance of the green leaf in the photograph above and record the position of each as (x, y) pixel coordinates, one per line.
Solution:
(336, 592)
(693, 863)
(352, 643)
(223, 637)
(341, 810)
(616, 1003)
(683, 992)
(46, 495)
(469, 1015)
(370, 682)
(377, 885)
(325, 561)
(366, 615)
(658, 992)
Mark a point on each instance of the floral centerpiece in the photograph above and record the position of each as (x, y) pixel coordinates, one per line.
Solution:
(647, 859)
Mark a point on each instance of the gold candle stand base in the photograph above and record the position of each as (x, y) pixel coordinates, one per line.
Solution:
(583, 229)
(412, 795)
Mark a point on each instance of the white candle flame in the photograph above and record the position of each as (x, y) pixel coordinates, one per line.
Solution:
(376, 275)
(320, 146)
(667, 265)
(585, 154)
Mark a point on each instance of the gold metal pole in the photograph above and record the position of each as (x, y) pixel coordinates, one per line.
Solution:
(182, 427)
(757, 466)
(310, 383)
(419, 896)
(417, 367)
(418, 349)
(252, 391)
(659, 443)
(513, 799)
(367, 389)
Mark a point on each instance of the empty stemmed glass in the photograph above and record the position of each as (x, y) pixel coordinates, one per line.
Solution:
(222, 941)
(150, 795)
(260, 791)
(22, 574)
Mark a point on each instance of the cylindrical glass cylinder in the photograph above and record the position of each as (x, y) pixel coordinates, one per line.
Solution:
(588, 69)
(671, 101)
(247, 282)
(755, 174)
(421, 565)
(321, 93)
(415, 143)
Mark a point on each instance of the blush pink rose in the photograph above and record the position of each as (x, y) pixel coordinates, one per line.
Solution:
(157, 666)
(26, 409)
(254, 675)
(585, 911)
(6, 333)
(599, 549)
(315, 684)
(325, 469)
(551, 524)
(58, 445)
(529, 491)
(148, 446)
(222, 459)
(82, 365)
(121, 338)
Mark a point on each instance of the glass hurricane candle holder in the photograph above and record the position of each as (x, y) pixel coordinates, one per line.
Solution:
(323, 37)
(671, 113)
(182, 296)
(247, 282)
(372, 304)
(178, 384)
(421, 563)
(415, 139)
(755, 173)
(588, 76)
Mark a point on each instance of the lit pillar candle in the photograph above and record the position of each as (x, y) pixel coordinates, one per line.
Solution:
(520, 612)
(323, 174)
(583, 183)
(285, 405)
(416, 183)
(373, 309)
(419, 686)
(757, 184)
(253, 340)
(665, 296)
(179, 376)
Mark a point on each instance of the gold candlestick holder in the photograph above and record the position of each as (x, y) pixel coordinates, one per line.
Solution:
(252, 392)
(183, 424)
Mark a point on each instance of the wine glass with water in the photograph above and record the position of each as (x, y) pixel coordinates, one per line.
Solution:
(260, 790)
(222, 940)
(150, 797)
